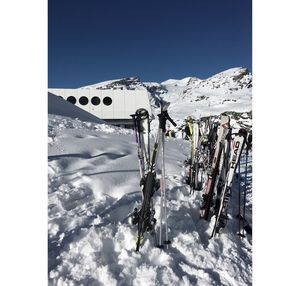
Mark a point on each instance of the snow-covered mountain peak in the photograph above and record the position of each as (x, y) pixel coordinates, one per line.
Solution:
(128, 83)
(193, 81)
(185, 82)
(234, 78)
(232, 72)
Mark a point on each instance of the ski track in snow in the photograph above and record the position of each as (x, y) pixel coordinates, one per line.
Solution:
(94, 186)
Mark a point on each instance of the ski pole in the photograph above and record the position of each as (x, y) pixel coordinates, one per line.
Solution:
(239, 183)
(167, 241)
(162, 190)
(245, 189)
(163, 185)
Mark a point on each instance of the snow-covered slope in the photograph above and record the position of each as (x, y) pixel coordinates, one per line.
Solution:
(94, 186)
(227, 91)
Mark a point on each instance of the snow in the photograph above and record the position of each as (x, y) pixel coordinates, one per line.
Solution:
(93, 186)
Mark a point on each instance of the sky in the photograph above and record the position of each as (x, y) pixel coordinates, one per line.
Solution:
(90, 41)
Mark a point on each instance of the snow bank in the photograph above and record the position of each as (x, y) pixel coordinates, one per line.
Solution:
(94, 186)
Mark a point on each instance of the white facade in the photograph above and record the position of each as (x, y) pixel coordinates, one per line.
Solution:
(106, 104)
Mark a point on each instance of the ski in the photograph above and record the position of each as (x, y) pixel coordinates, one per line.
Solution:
(213, 170)
(235, 154)
(200, 160)
(193, 180)
(202, 152)
(189, 136)
(223, 170)
(198, 136)
(163, 117)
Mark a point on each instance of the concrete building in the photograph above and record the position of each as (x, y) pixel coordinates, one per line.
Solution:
(114, 106)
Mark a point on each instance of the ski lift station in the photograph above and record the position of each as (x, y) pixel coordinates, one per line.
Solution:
(114, 106)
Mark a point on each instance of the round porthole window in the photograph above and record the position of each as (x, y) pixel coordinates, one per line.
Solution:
(83, 100)
(107, 100)
(95, 100)
(71, 99)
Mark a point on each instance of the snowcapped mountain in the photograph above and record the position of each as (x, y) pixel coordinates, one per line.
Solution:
(232, 80)
(229, 91)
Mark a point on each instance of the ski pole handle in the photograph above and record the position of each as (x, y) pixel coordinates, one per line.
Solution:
(170, 119)
(163, 117)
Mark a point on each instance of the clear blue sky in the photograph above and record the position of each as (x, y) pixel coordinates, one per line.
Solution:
(95, 40)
